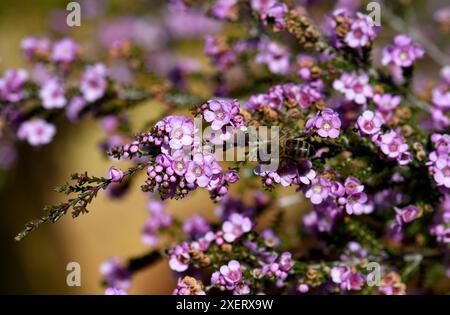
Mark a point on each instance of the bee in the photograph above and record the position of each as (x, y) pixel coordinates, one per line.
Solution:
(297, 148)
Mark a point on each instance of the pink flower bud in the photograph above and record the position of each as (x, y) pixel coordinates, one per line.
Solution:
(115, 174)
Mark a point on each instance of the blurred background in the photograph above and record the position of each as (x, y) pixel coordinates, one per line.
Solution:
(37, 265)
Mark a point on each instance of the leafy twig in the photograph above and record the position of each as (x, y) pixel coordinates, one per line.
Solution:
(85, 191)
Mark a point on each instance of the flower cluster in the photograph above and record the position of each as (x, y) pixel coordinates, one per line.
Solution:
(352, 30)
(391, 143)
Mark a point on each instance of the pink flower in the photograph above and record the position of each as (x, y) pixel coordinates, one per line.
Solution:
(235, 227)
(369, 123)
(65, 50)
(11, 85)
(276, 14)
(37, 132)
(52, 95)
(442, 172)
(392, 144)
(275, 56)
(355, 204)
(220, 112)
(362, 32)
(318, 191)
(181, 133)
(327, 123)
(402, 53)
(232, 272)
(386, 102)
(407, 214)
(355, 88)
(93, 83)
(179, 257)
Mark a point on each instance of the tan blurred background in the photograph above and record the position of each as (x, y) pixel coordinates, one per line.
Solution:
(38, 263)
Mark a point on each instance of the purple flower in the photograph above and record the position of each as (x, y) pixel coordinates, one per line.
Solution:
(115, 273)
(337, 189)
(369, 123)
(37, 132)
(11, 85)
(275, 14)
(355, 88)
(115, 174)
(285, 262)
(407, 214)
(180, 163)
(52, 95)
(355, 204)
(402, 53)
(275, 56)
(354, 281)
(347, 278)
(327, 123)
(65, 51)
(353, 185)
(93, 82)
(196, 226)
(318, 191)
(235, 227)
(179, 257)
(392, 144)
(220, 112)
(199, 172)
(362, 32)
(257, 101)
(305, 173)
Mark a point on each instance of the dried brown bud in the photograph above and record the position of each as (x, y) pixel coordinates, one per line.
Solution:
(320, 104)
(311, 274)
(294, 113)
(227, 248)
(315, 71)
(403, 112)
(407, 130)
(378, 89)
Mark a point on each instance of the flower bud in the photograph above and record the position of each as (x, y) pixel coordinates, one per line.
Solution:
(115, 174)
